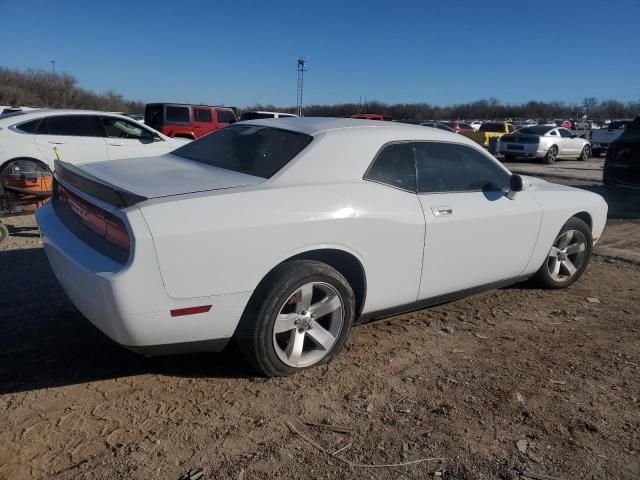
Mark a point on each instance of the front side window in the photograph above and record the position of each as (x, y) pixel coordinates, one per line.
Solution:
(225, 116)
(450, 167)
(176, 114)
(394, 166)
(251, 149)
(119, 128)
(564, 133)
(203, 115)
(70, 125)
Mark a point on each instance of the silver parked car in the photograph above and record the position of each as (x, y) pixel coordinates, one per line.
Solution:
(546, 143)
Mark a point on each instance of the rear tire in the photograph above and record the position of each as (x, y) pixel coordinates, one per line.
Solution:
(299, 317)
(568, 257)
(596, 152)
(551, 155)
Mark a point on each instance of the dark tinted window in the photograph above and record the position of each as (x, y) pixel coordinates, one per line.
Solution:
(29, 127)
(492, 127)
(449, 167)
(564, 133)
(554, 133)
(394, 166)
(255, 115)
(254, 150)
(11, 112)
(620, 124)
(635, 125)
(203, 115)
(173, 114)
(466, 126)
(153, 116)
(70, 125)
(534, 130)
(226, 116)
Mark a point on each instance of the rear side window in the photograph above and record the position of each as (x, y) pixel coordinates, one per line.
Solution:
(394, 166)
(203, 115)
(70, 125)
(254, 150)
(175, 114)
(29, 127)
(153, 116)
(450, 167)
(226, 116)
(564, 133)
(492, 127)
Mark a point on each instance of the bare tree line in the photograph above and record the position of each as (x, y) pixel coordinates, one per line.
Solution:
(40, 88)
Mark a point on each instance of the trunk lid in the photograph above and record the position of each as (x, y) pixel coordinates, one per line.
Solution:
(136, 179)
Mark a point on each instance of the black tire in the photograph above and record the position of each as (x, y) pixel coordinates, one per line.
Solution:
(509, 158)
(551, 155)
(543, 277)
(4, 232)
(585, 154)
(596, 152)
(255, 333)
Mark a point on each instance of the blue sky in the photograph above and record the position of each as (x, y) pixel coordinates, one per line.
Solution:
(241, 53)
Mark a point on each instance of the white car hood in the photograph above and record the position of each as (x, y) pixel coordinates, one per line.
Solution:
(166, 175)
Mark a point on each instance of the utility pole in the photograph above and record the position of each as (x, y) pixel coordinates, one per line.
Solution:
(302, 62)
(53, 66)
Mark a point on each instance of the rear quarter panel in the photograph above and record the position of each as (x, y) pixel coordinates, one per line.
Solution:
(227, 241)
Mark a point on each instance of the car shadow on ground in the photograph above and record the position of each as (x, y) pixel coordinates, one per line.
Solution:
(45, 342)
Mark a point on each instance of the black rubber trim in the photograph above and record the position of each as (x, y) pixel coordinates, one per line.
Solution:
(95, 187)
(215, 345)
(438, 300)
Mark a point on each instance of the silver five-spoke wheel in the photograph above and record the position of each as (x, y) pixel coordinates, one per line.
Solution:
(567, 255)
(308, 324)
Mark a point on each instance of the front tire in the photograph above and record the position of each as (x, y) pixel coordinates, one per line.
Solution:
(585, 154)
(551, 155)
(569, 256)
(299, 318)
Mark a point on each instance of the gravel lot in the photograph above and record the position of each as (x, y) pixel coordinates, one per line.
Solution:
(502, 384)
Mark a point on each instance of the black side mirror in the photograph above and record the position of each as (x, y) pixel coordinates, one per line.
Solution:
(515, 185)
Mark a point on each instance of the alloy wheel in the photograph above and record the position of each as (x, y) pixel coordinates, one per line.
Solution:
(567, 256)
(308, 324)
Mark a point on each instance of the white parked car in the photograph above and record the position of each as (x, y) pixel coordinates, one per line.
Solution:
(545, 143)
(283, 233)
(78, 136)
(476, 125)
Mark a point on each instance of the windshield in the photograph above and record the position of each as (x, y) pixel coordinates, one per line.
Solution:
(254, 150)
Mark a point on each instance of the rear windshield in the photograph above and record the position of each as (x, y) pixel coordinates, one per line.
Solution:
(618, 125)
(175, 114)
(255, 115)
(535, 130)
(492, 127)
(153, 116)
(11, 113)
(254, 150)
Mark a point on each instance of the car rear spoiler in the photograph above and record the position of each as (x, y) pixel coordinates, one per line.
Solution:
(95, 187)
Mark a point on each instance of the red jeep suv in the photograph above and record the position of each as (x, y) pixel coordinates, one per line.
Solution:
(187, 121)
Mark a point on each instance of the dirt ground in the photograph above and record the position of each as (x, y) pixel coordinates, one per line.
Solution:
(496, 386)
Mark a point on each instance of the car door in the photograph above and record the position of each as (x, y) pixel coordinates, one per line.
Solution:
(202, 121)
(475, 234)
(77, 138)
(568, 144)
(129, 139)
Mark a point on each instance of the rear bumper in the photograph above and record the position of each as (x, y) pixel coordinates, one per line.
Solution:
(128, 303)
(529, 150)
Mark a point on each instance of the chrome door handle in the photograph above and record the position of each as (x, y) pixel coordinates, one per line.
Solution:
(115, 144)
(442, 211)
(55, 142)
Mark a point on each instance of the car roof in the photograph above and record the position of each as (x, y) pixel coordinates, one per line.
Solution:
(315, 125)
(45, 112)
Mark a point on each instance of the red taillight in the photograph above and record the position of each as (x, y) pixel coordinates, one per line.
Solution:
(101, 222)
(180, 312)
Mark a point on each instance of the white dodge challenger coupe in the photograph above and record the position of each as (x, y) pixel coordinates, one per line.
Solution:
(282, 233)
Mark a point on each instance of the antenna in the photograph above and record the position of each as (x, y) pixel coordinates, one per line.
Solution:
(302, 62)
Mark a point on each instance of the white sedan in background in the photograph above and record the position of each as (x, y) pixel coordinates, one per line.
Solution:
(545, 143)
(283, 233)
(28, 138)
